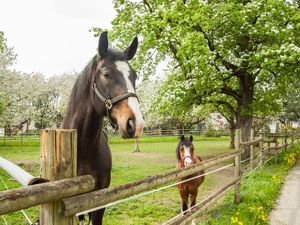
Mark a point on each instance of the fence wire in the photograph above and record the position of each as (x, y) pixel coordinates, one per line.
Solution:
(152, 191)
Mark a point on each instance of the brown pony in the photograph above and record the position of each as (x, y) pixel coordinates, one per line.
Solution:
(185, 156)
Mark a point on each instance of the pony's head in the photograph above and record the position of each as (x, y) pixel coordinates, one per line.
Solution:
(186, 150)
(113, 88)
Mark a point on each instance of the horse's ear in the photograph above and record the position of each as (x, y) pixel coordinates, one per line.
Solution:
(103, 44)
(191, 138)
(131, 50)
(182, 138)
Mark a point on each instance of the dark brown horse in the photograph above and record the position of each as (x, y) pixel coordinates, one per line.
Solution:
(106, 87)
(185, 156)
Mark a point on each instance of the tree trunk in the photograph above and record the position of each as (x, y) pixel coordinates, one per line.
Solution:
(244, 112)
(231, 146)
(245, 126)
(232, 135)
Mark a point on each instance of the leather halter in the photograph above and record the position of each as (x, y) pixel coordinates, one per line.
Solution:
(110, 102)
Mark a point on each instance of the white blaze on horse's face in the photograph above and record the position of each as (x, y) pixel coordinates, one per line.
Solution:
(187, 156)
(133, 103)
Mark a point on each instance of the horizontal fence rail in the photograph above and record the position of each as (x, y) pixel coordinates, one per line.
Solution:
(101, 197)
(25, 197)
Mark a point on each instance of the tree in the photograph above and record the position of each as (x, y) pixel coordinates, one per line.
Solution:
(291, 106)
(247, 51)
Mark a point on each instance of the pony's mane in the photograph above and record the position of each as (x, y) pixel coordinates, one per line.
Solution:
(177, 151)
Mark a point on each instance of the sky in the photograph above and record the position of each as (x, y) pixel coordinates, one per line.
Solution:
(52, 36)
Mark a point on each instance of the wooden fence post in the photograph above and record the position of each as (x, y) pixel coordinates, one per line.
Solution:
(277, 149)
(237, 170)
(58, 161)
(285, 139)
(261, 149)
(251, 148)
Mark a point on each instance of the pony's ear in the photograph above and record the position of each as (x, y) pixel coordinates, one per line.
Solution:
(191, 138)
(182, 138)
(131, 50)
(103, 44)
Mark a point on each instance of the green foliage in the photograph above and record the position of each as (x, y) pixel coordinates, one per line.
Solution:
(291, 105)
(242, 55)
(1, 104)
(1, 41)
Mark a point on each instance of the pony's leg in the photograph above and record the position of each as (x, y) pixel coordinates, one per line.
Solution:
(184, 201)
(96, 217)
(193, 197)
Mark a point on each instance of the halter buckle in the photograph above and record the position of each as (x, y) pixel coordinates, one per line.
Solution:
(108, 104)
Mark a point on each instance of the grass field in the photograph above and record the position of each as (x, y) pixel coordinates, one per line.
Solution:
(157, 156)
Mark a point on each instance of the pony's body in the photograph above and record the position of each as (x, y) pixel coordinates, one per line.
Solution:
(103, 81)
(185, 156)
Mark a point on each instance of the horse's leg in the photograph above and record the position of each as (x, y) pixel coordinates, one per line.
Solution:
(193, 197)
(96, 217)
(184, 200)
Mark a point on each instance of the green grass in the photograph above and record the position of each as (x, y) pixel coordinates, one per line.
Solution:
(259, 192)
(157, 156)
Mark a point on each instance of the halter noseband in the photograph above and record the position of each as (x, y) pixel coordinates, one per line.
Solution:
(110, 102)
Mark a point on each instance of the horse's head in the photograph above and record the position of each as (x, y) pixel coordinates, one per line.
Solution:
(113, 88)
(186, 150)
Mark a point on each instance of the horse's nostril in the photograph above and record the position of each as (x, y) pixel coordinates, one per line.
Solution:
(130, 127)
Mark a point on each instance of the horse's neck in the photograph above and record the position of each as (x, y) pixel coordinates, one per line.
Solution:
(88, 123)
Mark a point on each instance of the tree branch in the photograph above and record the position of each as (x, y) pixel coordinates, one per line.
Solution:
(228, 65)
(228, 91)
(147, 6)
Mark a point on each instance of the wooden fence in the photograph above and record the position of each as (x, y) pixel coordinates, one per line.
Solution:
(65, 195)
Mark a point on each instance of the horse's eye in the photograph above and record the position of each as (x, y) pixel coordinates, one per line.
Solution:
(106, 75)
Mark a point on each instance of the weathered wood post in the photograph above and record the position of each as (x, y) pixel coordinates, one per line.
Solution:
(237, 170)
(293, 137)
(261, 148)
(58, 161)
(277, 149)
(251, 148)
(285, 139)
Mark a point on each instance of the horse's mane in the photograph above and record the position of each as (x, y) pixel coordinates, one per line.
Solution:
(177, 151)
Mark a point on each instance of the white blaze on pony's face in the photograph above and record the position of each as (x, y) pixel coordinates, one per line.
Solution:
(133, 104)
(187, 156)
